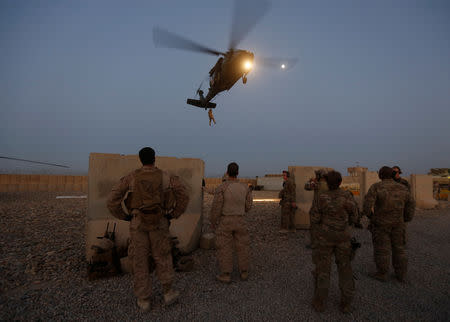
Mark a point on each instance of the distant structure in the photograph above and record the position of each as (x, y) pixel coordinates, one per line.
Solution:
(440, 172)
(356, 171)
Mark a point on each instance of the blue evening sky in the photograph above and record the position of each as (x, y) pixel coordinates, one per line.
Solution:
(372, 85)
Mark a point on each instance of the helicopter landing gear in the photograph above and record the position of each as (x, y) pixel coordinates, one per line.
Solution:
(244, 79)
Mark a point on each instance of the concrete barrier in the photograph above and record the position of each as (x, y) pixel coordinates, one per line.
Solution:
(42, 182)
(422, 190)
(270, 183)
(106, 169)
(303, 198)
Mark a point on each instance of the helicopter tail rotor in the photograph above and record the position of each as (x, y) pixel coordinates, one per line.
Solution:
(276, 63)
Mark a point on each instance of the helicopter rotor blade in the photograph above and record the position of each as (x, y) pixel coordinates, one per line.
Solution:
(38, 162)
(164, 38)
(246, 14)
(277, 63)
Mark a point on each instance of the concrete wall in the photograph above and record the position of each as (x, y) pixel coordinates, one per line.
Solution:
(367, 178)
(270, 183)
(422, 190)
(304, 198)
(42, 182)
(106, 169)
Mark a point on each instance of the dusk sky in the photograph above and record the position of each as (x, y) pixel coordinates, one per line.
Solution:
(371, 86)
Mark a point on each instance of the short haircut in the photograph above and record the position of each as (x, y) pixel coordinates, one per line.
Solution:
(147, 156)
(233, 169)
(385, 173)
(334, 180)
(287, 173)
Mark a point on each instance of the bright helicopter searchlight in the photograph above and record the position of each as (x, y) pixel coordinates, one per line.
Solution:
(283, 66)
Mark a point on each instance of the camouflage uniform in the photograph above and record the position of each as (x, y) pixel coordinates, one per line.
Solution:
(287, 196)
(149, 234)
(318, 188)
(393, 206)
(404, 182)
(332, 215)
(232, 200)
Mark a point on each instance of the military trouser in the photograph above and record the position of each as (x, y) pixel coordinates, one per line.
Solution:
(322, 253)
(287, 216)
(232, 229)
(384, 239)
(154, 242)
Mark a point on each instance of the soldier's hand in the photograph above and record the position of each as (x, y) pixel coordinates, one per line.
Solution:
(128, 217)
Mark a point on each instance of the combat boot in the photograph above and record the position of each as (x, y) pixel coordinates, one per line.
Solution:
(318, 304)
(171, 296)
(244, 275)
(379, 276)
(224, 278)
(144, 305)
(401, 278)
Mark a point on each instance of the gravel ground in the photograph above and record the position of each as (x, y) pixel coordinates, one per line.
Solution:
(43, 272)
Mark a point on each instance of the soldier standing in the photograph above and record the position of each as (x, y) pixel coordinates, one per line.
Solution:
(332, 215)
(287, 203)
(396, 175)
(318, 185)
(147, 188)
(393, 206)
(232, 200)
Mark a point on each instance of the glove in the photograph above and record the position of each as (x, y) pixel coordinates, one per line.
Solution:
(128, 217)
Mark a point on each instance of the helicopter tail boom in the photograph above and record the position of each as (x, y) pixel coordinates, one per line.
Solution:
(200, 103)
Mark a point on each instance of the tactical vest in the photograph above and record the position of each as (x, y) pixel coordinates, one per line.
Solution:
(147, 195)
(336, 218)
(392, 202)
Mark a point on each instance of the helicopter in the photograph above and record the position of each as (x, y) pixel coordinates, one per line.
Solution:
(233, 64)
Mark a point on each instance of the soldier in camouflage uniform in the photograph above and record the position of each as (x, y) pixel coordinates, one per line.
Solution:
(148, 190)
(287, 203)
(318, 185)
(393, 206)
(396, 175)
(232, 200)
(332, 215)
